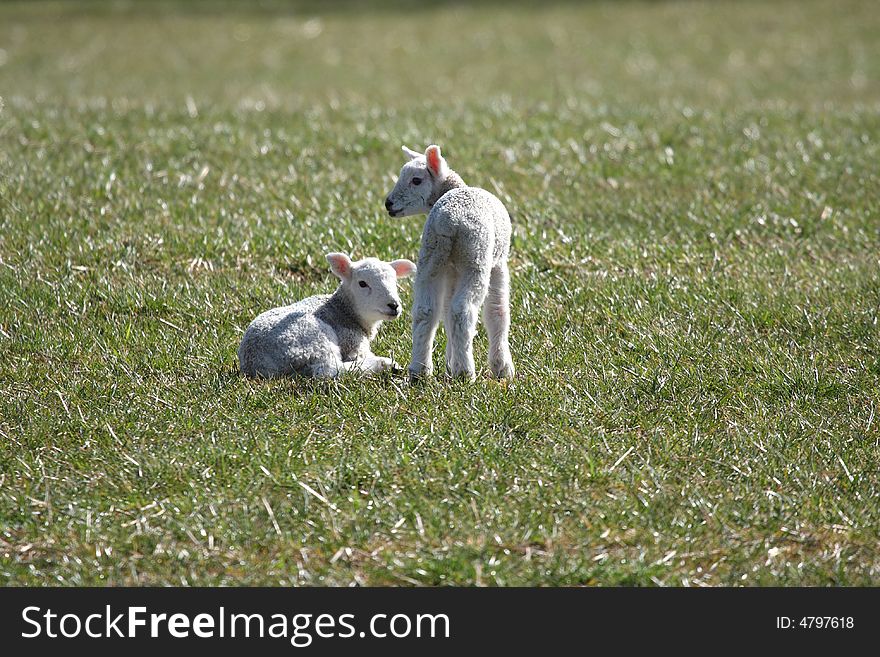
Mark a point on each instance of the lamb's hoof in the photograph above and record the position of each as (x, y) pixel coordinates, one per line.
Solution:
(461, 372)
(504, 370)
(383, 364)
(418, 376)
(392, 368)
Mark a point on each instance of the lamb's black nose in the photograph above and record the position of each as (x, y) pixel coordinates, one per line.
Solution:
(393, 305)
(388, 204)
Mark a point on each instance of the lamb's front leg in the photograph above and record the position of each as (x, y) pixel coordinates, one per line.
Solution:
(426, 317)
(370, 364)
(426, 312)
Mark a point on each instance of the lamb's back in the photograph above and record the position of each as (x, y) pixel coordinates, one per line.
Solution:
(282, 340)
(473, 217)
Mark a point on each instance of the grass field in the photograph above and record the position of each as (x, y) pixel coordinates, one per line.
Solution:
(695, 194)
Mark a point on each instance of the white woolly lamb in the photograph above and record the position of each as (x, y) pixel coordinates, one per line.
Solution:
(462, 265)
(326, 335)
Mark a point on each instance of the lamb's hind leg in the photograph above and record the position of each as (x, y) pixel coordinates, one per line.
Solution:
(496, 317)
(323, 362)
(467, 299)
(449, 288)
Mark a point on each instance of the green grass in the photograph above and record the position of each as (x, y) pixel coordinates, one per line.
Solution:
(694, 188)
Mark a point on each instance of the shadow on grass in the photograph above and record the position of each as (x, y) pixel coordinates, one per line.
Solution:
(230, 375)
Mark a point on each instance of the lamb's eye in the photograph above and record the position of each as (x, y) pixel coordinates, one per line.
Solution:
(416, 181)
(363, 284)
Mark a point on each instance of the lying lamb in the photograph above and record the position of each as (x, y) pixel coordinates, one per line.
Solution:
(462, 265)
(326, 335)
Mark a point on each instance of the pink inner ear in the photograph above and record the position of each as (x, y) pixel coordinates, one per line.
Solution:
(340, 263)
(434, 160)
(403, 268)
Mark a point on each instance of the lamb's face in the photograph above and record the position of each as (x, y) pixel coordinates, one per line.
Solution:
(372, 285)
(412, 191)
(374, 290)
(415, 187)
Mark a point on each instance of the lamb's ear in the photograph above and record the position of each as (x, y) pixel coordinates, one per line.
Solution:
(340, 265)
(436, 164)
(403, 268)
(410, 153)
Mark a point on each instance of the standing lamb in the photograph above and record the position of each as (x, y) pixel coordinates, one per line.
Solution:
(326, 335)
(462, 265)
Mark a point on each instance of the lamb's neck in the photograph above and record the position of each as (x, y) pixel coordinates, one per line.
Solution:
(452, 181)
(339, 309)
